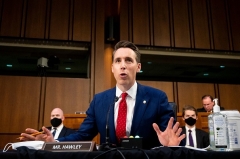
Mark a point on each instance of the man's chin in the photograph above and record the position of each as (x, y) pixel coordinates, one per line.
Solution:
(124, 83)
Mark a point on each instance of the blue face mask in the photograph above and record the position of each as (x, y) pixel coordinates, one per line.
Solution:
(190, 121)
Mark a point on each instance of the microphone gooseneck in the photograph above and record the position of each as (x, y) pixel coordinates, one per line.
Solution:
(107, 125)
(107, 145)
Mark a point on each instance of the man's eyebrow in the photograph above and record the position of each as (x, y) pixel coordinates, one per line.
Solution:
(117, 58)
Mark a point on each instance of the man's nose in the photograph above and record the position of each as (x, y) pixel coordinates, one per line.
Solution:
(123, 65)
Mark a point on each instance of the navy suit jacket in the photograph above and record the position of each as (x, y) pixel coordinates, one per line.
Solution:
(151, 107)
(202, 138)
(64, 132)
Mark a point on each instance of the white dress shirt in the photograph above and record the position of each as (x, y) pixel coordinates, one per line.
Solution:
(130, 99)
(193, 136)
(58, 130)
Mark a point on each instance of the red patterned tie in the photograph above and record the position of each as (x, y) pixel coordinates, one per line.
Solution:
(122, 117)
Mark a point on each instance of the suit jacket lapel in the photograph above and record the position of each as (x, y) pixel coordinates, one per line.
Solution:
(142, 100)
(183, 142)
(198, 139)
(63, 131)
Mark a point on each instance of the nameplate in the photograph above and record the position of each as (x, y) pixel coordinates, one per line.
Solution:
(84, 146)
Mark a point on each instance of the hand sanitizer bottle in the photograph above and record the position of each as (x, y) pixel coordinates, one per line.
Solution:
(211, 132)
(220, 129)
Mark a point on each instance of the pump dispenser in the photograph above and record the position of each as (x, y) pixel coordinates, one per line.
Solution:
(220, 131)
(216, 107)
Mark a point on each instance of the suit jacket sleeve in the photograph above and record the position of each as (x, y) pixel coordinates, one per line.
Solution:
(88, 128)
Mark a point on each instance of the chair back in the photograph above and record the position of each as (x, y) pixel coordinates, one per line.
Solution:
(174, 107)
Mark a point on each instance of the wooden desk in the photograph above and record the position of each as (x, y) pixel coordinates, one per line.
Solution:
(160, 153)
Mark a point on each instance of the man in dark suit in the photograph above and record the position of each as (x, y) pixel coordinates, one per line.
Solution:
(57, 128)
(145, 106)
(207, 102)
(198, 137)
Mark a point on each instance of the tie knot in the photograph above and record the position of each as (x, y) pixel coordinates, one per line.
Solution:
(189, 130)
(124, 95)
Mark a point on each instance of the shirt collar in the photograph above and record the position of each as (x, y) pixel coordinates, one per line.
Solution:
(59, 127)
(193, 128)
(131, 92)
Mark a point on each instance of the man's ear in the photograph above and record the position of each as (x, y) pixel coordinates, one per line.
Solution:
(112, 68)
(139, 67)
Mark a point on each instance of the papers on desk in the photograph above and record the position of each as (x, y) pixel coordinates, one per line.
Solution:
(189, 147)
(194, 148)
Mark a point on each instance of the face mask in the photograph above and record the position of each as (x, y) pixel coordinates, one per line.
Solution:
(56, 122)
(37, 145)
(190, 121)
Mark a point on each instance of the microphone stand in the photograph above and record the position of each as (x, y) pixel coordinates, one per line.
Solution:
(107, 146)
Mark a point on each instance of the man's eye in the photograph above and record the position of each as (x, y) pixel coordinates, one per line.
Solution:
(128, 60)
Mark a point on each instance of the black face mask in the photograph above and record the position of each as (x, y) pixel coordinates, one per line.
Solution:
(56, 122)
(190, 121)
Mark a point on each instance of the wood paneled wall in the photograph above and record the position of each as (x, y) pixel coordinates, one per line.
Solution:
(27, 101)
(234, 13)
(191, 93)
(20, 109)
(11, 20)
(45, 19)
(19, 98)
(201, 31)
(229, 96)
(200, 24)
(69, 94)
(167, 87)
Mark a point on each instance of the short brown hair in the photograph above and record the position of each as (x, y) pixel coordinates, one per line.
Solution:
(188, 107)
(207, 96)
(127, 44)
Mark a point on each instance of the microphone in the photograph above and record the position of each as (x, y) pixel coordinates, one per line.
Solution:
(107, 125)
(107, 145)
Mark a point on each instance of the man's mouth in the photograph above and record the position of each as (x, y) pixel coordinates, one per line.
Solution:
(123, 75)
